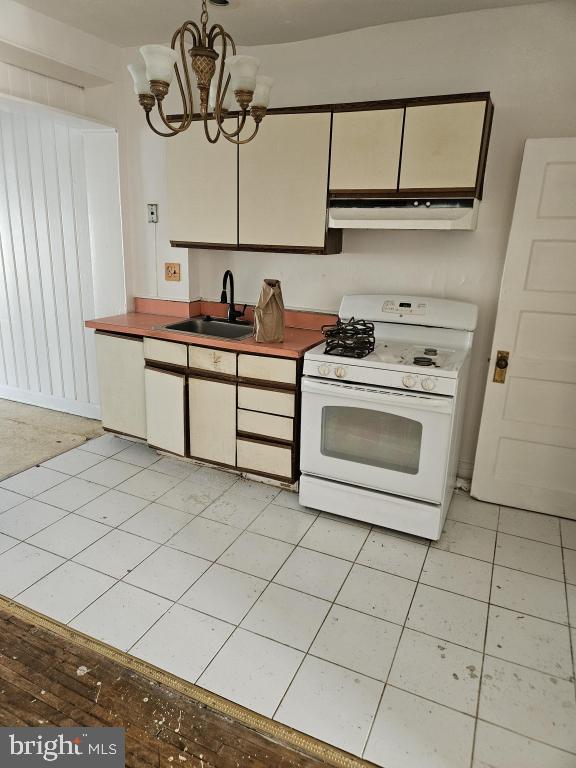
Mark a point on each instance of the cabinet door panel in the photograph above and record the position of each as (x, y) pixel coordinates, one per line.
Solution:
(441, 146)
(121, 373)
(214, 360)
(165, 410)
(212, 409)
(366, 150)
(160, 351)
(284, 182)
(202, 188)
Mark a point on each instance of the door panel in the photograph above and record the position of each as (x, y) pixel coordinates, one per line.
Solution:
(121, 374)
(284, 182)
(202, 188)
(441, 147)
(527, 445)
(212, 409)
(165, 410)
(366, 150)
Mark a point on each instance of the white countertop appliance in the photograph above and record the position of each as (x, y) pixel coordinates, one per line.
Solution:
(380, 434)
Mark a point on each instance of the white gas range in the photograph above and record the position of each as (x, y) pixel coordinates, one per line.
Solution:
(380, 434)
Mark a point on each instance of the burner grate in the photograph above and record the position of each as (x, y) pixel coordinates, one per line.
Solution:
(354, 338)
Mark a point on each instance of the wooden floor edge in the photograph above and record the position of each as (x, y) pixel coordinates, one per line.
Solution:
(259, 723)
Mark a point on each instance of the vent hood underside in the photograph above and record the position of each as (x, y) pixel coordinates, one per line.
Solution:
(403, 214)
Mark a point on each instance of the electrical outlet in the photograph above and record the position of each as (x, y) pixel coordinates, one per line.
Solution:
(172, 271)
(152, 213)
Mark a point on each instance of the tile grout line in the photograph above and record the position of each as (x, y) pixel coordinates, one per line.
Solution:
(481, 673)
(571, 634)
(367, 740)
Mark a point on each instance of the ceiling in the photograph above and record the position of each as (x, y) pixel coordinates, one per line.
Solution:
(250, 22)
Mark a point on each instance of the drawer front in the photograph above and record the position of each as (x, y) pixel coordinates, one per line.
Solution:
(267, 368)
(275, 427)
(261, 457)
(166, 352)
(215, 360)
(266, 401)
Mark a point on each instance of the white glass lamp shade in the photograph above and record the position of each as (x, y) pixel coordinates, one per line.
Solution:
(159, 60)
(141, 83)
(228, 103)
(261, 96)
(243, 71)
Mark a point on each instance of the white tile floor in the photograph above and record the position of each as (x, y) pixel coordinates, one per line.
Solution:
(457, 654)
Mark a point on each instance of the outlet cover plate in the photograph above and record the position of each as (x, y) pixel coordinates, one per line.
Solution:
(172, 271)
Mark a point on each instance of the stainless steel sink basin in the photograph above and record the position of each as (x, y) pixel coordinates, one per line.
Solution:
(222, 329)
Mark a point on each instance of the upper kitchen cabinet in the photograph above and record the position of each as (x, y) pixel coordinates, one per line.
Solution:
(202, 189)
(366, 150)
(444, 147)
(284, 184)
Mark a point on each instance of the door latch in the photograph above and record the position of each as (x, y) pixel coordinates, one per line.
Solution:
(501, 366)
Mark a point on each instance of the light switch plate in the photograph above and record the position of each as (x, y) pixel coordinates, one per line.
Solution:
(172, 271)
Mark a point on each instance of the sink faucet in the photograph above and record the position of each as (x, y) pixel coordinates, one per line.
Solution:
(233, 313)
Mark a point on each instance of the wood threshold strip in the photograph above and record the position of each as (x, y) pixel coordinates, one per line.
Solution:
(282, 733)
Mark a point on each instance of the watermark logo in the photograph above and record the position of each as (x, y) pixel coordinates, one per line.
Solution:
(79, 747)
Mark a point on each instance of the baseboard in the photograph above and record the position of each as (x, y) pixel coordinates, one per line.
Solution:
(465, 469)
(89, 410)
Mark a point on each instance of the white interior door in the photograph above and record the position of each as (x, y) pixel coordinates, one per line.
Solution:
(526, 453)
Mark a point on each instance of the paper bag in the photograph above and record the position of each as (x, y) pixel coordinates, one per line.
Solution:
(269, 313)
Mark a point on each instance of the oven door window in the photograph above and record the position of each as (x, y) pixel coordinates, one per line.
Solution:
(375, 438)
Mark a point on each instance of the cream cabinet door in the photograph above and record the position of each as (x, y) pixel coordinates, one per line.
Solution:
(202, 188)
(165, 410)
(212, 410)
(120, 363)
(284, 182)
(441, 146)
(366, 150)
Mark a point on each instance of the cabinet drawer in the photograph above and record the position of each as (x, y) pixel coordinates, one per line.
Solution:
(266, 401)
(267, 368)
(159, 351)
(215, 360)
(263, 457)
(266, 425)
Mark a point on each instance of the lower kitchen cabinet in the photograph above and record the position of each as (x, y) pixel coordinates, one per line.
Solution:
(166, 410)
(264, 458)
(212, 415)
(120, 361)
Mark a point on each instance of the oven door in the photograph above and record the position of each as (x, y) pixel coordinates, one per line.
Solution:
(386, 439)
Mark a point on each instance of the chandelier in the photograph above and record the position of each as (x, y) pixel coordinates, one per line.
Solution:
(236, 76)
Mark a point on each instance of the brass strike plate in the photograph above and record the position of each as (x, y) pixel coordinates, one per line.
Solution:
(500, 366)
(172, 272)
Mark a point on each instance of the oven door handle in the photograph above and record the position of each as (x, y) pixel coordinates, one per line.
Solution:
(400, 399)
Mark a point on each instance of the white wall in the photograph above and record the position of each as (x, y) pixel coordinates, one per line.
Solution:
(524, 56)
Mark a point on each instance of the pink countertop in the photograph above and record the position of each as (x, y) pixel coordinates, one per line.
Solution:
(296, 340)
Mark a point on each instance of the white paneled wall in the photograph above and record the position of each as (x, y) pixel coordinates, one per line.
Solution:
(44, 90)
(47, 357)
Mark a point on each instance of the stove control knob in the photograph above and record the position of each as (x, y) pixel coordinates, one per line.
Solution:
(324, 370)
(409, 381)
(428, 384)
(340, 372)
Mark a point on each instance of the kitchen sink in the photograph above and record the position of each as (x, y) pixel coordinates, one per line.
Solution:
(207, 326)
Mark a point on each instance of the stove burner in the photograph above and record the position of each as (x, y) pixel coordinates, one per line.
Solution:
(424, 361)
(352, 339)
(431, 351)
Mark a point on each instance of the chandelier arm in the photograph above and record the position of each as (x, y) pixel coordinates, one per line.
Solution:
(188, 105)
(211, 139)
(157, 132)
(244, 141)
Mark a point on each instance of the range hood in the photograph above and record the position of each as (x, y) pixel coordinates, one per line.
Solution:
(374, 213)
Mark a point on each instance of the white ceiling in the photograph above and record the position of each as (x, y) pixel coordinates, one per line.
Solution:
(250, 22)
